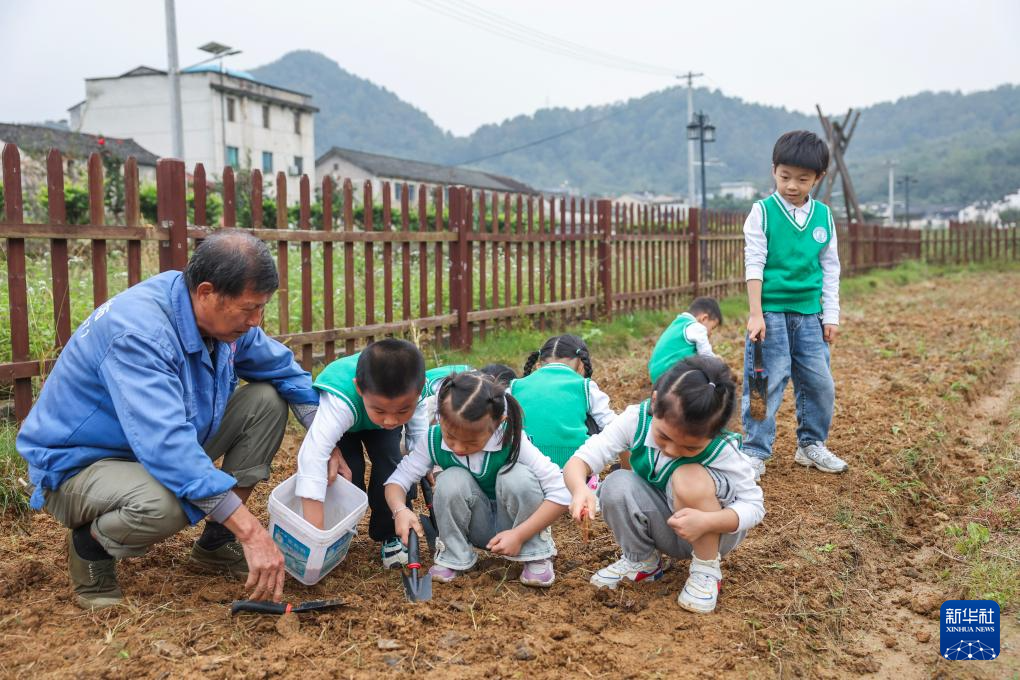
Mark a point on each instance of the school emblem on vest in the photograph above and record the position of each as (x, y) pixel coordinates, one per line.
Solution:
(820, 234)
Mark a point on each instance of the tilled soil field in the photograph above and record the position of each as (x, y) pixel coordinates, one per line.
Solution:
(844, 577)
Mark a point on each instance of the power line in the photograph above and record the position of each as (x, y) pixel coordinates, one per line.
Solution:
(486, 20)
(536, 142)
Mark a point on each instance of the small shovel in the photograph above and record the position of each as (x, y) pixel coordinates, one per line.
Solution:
(269, 607)
(417, 588)
(428, 522)
(759, 385)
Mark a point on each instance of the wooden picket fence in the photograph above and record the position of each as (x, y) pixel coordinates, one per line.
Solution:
(486, 261)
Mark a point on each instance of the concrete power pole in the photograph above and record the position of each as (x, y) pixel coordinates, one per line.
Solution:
(176, 124)
(890, 213)
(692, 195)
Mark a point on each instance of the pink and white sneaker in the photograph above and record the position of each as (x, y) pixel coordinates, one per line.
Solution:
(538, 573)
(443, 574)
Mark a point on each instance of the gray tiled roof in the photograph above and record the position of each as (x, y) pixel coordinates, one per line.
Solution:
(420, 171)
(39, 139)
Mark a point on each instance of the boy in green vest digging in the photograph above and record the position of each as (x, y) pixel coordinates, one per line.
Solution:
(792, 269)
(364, 401)
(686, 336)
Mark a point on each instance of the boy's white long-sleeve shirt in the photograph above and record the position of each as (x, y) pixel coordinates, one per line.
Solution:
(333, 419)
(756, 250)
(603, 449)
(598, 404)
(418, 463)
(697, 334)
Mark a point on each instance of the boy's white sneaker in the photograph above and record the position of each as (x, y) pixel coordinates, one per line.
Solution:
(818, 456)
(611, 576)
(701, 592)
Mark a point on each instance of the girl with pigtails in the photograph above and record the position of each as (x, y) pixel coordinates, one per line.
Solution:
(690, 492)
(562, 405)
(497, 491)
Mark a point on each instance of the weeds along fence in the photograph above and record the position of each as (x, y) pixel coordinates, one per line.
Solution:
(454, 265)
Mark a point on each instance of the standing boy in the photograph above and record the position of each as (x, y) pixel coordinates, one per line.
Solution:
(792, 271)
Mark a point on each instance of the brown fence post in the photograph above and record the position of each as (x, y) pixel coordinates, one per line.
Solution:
(853, 230)
(459, 262)
(172, 213)
(17, 285)
(605, 250)
(694, 249)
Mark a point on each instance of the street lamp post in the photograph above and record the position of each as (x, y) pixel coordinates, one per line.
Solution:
(219, 51)
(701, 131)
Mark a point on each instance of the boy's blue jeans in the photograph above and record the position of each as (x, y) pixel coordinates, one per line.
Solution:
(793, 348)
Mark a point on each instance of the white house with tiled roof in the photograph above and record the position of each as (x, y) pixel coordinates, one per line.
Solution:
(229, 118)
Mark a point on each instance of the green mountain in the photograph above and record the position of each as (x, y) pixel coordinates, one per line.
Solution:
(959, 147)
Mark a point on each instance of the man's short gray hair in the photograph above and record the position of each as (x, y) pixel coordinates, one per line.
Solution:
(233, 261)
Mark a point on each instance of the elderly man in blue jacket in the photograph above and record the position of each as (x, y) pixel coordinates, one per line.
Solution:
(122, 441)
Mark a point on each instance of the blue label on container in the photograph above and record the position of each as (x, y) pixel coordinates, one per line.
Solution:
(337, 551)
(295, 553)
(970, 630)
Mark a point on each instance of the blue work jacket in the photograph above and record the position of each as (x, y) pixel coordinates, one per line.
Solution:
(136, 382)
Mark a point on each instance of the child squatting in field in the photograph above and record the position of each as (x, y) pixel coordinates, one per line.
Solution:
(686, 336)
(792, 270)
(496, 490)
(365, 400)
(690, 493)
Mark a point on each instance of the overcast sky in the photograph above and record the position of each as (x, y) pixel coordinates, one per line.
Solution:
(791, 54)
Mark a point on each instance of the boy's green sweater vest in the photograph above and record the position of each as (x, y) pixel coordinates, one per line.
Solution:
(643, 458)
(434, 376)
(555, 403)
(338, 380)
(792, 280)
(672, 346)
(494, 461)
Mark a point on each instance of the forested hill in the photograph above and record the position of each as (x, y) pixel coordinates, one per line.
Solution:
(959, 147)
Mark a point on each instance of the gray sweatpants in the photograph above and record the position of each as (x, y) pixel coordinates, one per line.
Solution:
(636, 513)
(131, 511)
(466, 517)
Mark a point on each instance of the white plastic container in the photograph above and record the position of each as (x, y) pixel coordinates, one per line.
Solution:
(310, 553)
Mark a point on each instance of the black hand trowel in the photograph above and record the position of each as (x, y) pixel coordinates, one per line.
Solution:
(417, 588)
(759, 385)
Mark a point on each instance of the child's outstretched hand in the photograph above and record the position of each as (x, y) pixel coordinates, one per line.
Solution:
(583, 499)
(506, 543)
(406, 521)
(689, 524)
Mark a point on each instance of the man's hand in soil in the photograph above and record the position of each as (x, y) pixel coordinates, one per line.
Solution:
(690, 524)
(829, 332)
(265, 563)
(337, 466)
(506, 543)
(756, 327)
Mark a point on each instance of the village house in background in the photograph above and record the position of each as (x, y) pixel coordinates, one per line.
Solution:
(35, 141)
(998, 213)
(649, 198)
(741, 191)
(229, 119)
(359, 166)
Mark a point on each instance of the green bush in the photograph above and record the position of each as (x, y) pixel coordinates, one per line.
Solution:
(147, 205)
(76, 202)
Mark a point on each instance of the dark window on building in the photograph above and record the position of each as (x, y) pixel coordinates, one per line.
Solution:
(265, 116)
(267, 161)
(231, 109)
(297, 122)
(233, 158)
(336, 167)
(299, 165)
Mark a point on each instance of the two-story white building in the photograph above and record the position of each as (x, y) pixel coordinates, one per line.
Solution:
(229, 118)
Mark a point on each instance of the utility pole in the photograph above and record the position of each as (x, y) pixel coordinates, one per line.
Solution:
(692, 195)
(890, 213)
(907, 180)
(176, 124)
